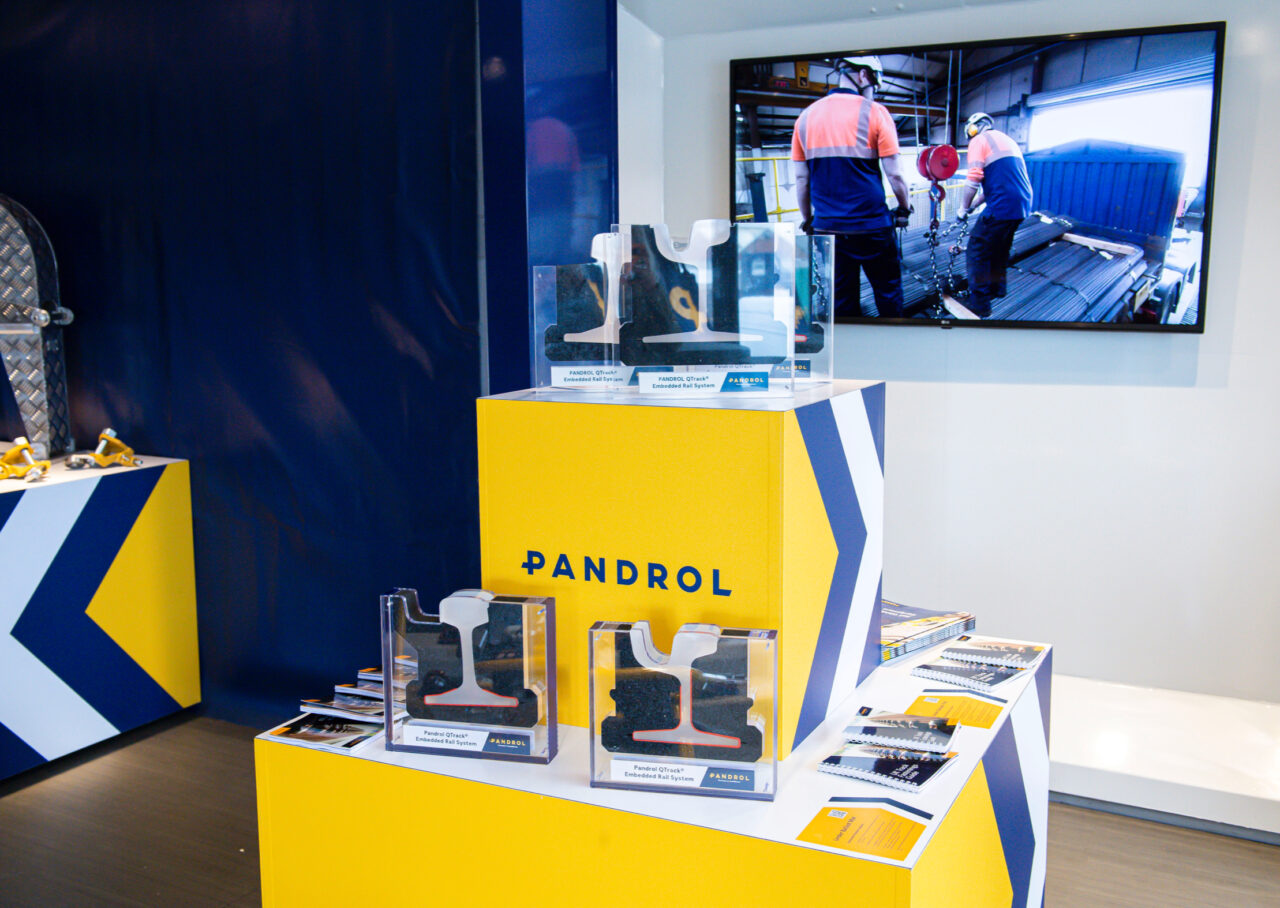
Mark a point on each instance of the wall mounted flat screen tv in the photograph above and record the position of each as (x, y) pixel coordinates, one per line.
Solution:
(1062, 181)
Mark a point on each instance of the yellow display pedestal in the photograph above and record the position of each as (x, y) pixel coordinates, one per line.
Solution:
(98, 611)
(457, 831)
(760, 513)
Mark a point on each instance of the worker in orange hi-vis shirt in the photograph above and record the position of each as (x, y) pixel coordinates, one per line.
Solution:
(998, 176)
(839, 146)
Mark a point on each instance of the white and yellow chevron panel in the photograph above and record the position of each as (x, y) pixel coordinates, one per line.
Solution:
(764, 514)
(973, 837)
(97, 608)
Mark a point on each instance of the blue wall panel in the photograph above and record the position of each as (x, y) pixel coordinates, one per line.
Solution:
(264, 216)
(550, 126)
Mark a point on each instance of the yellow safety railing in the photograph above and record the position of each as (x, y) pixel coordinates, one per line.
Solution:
(918, 195)
(777, 211)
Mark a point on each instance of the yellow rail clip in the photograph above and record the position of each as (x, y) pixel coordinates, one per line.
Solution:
(19, 462)
(110, 451)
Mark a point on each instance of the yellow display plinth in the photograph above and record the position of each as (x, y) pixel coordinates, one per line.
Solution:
(98, 620)
(764, 514)
(457, 831)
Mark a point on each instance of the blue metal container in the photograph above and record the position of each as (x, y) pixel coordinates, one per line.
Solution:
(1118, 190)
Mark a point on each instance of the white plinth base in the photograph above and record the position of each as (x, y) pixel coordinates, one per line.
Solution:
(1208, 758)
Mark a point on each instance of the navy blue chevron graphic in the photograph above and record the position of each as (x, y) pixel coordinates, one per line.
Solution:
(871, 645)
(8, 502)
(15, 754)
(54, 625)
(873, 400)
(839, 499)
(873, 403)
(1044, 684)
(1009, 802)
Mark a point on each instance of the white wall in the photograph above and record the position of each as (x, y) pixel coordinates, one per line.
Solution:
(640, 99)
(1116, 494)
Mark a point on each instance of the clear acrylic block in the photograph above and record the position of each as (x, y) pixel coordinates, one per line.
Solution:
(576, 319)
(699, 720)
(479, 675)
(711, 314)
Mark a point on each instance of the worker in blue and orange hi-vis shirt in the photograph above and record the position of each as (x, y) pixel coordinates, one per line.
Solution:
(998, 176)
(839, 146)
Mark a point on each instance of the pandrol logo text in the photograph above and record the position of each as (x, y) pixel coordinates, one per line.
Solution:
(655, 575)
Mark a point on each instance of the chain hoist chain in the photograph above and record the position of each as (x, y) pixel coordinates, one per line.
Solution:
(954, 250)
(933, 263)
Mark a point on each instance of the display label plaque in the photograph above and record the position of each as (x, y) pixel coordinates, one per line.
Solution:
(704, 382)
(476, 740)
(590, 377)
(681, 775)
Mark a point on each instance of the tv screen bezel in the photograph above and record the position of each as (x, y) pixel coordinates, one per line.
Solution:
(1219, 29)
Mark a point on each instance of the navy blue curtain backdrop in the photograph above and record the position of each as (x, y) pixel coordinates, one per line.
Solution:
(264, 213)
(549, 99)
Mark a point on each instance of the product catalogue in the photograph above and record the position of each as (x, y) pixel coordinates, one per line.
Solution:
(906, 629)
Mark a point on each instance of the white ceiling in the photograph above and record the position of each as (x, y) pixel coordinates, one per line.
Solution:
(672, 18)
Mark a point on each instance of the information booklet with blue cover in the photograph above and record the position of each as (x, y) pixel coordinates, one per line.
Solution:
(927, 733)
(993, 652)
(906, 629)
(905, 770)
(967, 674)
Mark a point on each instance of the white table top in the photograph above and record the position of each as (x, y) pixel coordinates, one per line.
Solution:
(802, 790)
(60, 473)
(805, 394)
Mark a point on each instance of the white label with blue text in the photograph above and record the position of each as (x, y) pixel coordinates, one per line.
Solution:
(647, 773)
(589, 376)
(452, 738)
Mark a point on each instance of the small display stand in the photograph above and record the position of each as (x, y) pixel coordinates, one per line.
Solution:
(742, 309)
(700, 720)
(98, 615)
(481, 675)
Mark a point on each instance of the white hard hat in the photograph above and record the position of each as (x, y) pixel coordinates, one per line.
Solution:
(850, 65)
(977, 123)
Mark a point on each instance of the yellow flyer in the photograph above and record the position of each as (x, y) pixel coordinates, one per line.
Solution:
(867, 830)
(958, 708)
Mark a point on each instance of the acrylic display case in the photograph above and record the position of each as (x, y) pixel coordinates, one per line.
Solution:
(719, 312)
(712, 314)
(576, 318)
(699, 720)
(479, 675)
(815, 307)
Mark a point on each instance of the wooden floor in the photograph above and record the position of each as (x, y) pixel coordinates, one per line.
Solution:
(167, 818)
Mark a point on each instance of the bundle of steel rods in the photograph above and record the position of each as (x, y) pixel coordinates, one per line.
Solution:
(1067, 282)
(918, 284)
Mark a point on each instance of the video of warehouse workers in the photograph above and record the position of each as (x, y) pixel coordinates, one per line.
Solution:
(1061, 181)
